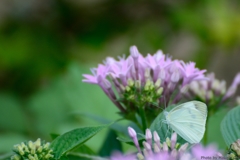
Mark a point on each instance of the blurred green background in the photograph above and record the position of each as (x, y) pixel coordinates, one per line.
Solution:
(46, 46)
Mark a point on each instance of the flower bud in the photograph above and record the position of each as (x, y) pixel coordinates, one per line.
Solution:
(138, 84)
(168, 142)
(48, 156)
(174, 153)
(147, 85)
(234, 151)
(173, 140)
(130, 82)
(35, 157)
(183, 147)
(156, 137)
(165, 146)
(159, 91)
(147, 146)
(147, 74)
(46, 146)
(20, 150)
(140, 156)
(128, 88)
(134, 52)
(38, 142)
(30, 157)
(234, 146)
(156, 148)
(131, 132)
(158, 83)
(148, 136)
(39, 150)
(23, 145)
(32, 150)
(232, 156)
(175, 76)
(122, 87)
(30, 144)
(15, 157)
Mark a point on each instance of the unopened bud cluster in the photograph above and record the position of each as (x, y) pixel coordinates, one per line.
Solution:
(213, 92)
(38, 150)
(137, 93)
(234, 150)
(206, 90)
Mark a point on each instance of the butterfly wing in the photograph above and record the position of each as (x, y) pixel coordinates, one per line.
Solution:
(200, 106)
(188, 120)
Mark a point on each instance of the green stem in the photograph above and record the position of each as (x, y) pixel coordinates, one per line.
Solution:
(205, 138)
(143, 118)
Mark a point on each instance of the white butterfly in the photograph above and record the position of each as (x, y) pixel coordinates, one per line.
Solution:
(188, 120)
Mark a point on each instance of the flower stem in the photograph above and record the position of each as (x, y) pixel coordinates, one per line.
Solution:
(205, 138)
(143, 118)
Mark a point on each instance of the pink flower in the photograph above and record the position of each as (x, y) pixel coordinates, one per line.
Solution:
(153, 149)
(168, 150)
(100, 71)
(120, 156)
(233, 88)
(199, 152)
(190, 73)
(137, 81)
(213, 91)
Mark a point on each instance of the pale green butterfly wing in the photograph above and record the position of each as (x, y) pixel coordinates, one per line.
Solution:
(188, 120)
(200, 106)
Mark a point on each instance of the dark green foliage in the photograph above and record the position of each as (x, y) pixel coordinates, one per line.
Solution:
(230, 126)
(110, 144)
(72, 139)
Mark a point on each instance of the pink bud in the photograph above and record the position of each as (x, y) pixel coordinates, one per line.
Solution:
(134, 52)
(174, 153)
(165, 146)
(162, 74)
(147, 147)
(131, 132)
(183, 147)
(156, 137)
(148, 136)
(175, 76)
(173, 140)
(133, 135)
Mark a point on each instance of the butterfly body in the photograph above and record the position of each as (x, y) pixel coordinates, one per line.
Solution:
(188, 120)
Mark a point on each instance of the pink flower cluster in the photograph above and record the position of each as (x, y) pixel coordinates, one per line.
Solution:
(153, 149)
(158, 73)
(213, 91)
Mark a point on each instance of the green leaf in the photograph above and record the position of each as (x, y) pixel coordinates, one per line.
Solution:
(116, 126)
(64, 158)
(230, 126)
(110, 144)
(130, 142)
(54, 135)
(84, 150)
(72, 139)
(80, 156)
(162, 128)
(119, 126)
